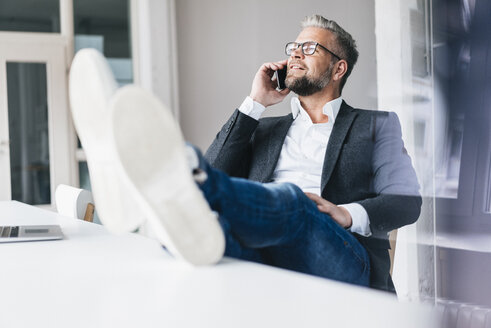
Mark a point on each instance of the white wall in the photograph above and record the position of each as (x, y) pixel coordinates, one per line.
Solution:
(222, 43)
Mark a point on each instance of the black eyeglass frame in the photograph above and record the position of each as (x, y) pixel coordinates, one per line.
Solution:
(300, 45)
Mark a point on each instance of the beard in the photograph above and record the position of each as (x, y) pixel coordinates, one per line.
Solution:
(306, 85)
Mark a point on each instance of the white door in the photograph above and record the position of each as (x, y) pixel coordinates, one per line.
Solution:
(35, 128)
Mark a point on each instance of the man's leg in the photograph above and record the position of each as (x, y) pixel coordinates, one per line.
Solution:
(284, 226)
(278, 220)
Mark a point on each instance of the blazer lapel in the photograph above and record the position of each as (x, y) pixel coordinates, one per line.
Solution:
(275, 143)
(340, 130)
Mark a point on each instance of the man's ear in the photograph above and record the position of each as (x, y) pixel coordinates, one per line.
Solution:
(340, 68)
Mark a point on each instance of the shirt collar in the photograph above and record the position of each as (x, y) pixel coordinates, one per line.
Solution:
(331, 109)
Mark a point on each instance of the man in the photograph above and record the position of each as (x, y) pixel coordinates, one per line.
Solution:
(335, 153)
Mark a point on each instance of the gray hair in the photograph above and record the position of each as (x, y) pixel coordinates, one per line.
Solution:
(346, 45)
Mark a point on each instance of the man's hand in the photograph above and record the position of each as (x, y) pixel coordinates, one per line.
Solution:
(338, 213)
(264, 89)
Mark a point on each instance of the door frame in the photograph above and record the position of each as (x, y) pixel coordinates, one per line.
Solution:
(49, 49)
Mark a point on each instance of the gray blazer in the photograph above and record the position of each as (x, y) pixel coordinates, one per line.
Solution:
(365, 162)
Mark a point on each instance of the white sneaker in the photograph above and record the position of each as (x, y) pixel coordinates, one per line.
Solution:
(91, 87)
(152, 156)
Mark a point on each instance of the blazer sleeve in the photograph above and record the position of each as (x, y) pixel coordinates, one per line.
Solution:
(231, 149)
(397, 201)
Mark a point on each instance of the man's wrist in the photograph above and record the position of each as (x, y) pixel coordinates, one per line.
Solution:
(347, 215)
(360, 222)
(252, 108)
(258, 100)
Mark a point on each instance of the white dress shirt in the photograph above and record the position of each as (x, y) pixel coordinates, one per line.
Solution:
(302, 155)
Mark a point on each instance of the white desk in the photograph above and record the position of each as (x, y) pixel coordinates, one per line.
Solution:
(95, 279)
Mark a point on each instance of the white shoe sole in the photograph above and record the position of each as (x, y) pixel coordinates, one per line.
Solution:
(91, 87)
(151, 151)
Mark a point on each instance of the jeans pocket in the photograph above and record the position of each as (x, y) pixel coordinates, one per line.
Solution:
(359, 252)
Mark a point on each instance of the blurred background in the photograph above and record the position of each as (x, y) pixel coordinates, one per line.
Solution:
(426, 60)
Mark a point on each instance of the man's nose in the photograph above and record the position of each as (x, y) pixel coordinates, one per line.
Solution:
(297, 53)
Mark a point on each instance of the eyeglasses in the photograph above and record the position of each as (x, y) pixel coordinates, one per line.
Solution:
(308, 48)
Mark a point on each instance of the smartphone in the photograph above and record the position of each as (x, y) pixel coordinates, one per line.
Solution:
(280, 78)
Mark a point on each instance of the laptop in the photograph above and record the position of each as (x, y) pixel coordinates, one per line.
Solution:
(30, 233)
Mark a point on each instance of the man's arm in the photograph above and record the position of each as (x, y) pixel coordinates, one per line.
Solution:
(231, 149)
(398, 201)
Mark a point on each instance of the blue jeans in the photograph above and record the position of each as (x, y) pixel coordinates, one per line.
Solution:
(278, 225)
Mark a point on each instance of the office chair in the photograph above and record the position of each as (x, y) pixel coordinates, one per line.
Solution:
(74, 202)
(392, 250)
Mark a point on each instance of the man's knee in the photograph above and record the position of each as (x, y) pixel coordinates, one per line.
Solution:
(287, 192)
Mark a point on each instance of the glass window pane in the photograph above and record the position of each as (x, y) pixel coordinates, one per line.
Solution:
(30, 16)
(28, 133)
(105, 26)
(84, 175)
(487, 205)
